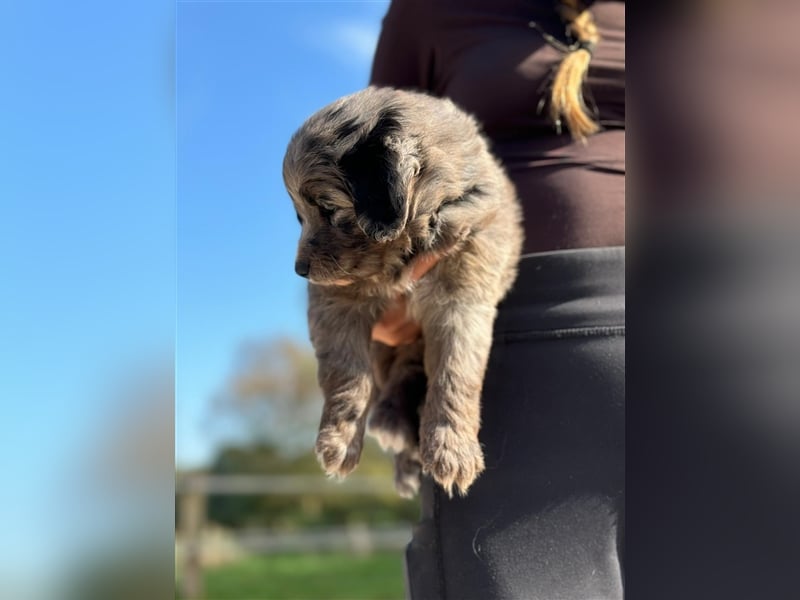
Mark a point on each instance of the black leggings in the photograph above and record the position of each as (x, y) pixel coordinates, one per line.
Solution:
(545, 520)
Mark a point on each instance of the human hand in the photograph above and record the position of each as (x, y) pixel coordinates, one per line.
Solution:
(395, 327)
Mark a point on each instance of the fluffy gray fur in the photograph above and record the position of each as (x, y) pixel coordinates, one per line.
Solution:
(379, 178)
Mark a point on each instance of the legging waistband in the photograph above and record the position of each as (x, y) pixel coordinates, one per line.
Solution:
(565, 293)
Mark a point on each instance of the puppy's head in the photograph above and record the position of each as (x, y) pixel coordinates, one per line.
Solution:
(349, 171)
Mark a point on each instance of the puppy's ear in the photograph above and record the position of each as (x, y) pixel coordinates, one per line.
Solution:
(372, 171)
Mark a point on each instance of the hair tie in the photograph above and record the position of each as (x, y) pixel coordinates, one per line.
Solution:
(584, 45)
(559, 45)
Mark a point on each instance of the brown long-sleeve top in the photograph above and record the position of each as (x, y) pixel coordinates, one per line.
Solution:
(485, 57)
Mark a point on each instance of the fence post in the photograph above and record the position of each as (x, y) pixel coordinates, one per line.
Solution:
(193, 514)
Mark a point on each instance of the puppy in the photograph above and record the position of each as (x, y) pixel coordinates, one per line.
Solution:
(378, 179)
(399, 389)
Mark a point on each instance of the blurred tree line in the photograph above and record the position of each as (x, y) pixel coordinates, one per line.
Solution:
(271, 404)
(306, 510)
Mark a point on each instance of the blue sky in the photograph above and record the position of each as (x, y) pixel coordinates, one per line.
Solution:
(142, 212)
(87, 245)
(248, 74)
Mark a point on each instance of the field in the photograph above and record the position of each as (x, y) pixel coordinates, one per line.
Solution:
(318, 576)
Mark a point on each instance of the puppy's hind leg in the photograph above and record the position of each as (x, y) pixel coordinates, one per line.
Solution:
(400, 376)
(407, 470)
(400, 385)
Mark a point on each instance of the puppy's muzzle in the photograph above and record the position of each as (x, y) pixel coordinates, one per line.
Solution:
(301, 267)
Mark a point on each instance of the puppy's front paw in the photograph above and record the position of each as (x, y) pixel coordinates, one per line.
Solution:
(338, 449)
(452, 458)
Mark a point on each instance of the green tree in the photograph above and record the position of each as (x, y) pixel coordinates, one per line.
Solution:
(271, 396)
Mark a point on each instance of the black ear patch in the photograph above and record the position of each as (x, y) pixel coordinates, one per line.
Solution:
(370, 169)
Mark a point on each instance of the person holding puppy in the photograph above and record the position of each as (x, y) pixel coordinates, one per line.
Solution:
(545, 519)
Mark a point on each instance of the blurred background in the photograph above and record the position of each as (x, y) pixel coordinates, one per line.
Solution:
(256, 517)
(151, 325)
(158, 389)
(87, 299)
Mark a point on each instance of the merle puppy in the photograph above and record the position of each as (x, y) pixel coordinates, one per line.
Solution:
(378, 179)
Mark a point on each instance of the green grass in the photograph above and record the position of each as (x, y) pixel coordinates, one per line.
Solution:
(328, 576)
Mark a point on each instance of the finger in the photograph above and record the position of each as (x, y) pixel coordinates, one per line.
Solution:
(408, 333)
(396, 334)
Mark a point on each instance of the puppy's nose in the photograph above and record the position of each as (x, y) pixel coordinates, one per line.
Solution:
(301, 268)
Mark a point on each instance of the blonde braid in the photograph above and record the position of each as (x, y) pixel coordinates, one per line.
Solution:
(566, 100)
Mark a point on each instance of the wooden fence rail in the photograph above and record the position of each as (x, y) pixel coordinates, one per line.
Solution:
(194, 490)
(281, 484)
